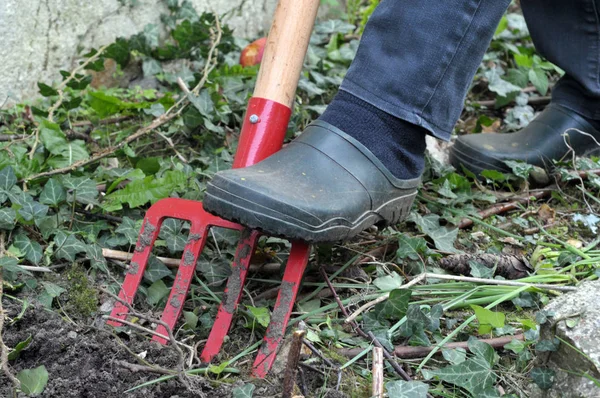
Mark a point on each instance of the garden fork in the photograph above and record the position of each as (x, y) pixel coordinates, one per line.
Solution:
(263, 131)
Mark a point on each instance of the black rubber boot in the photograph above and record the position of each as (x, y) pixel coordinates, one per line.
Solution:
(541, 142)
(324, 186)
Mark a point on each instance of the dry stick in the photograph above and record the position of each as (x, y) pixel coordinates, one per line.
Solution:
(326, 360)
(503, 208)
(426, 275)
(289, 378)
(4, 348)
(112, 120)
(377, 390)
(370, 335)
(407, 352)
(132, 367)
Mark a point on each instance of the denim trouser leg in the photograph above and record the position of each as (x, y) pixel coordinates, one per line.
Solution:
(417, 58)
(568, 34)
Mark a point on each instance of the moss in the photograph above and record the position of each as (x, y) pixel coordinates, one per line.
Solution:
(83, 298)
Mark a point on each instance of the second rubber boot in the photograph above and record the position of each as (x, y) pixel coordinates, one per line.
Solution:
(549, 137)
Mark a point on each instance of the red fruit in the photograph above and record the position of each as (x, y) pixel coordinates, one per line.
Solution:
(253, 53)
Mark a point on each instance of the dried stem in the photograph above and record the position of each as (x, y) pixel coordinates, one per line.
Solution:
(377, 390)
(289, 379)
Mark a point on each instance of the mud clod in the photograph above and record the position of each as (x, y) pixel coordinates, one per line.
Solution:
(145, 239)
(188, 258)
(175, 302)
(286, 292)
(194, 238)
(133, 268)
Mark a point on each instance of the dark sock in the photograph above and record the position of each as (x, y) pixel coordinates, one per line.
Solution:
(398, 144)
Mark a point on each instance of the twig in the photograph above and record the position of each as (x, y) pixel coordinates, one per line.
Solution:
(35, 269)
(12, 137)
(408, 352)
(112, 120)
(289, 378)
(3, 347)
(531, 101)
(141, 368)
(377, 390)
(504, 207)
(363, 308)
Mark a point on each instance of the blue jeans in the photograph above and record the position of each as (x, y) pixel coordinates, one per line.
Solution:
(417, 58)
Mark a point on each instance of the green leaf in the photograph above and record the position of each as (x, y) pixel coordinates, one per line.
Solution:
(106, 105)
(33, 381)
(520, 169)
(11, 264)
(82, 189)
(411, 247)
(215, 271)
(481, 349)
(191, 320)
(52, 289)
(53, 193)
(543, 377)
(499, 85)
(67, 246)
(454, 356)
(14, 354)
(488, 319)
(97, 260)
(406, 389)
(479, 270)
(261, 315)
(548, 345)
(156, 292)
(69, 153)
(443, 237)
(515, 346)
(395, 306)
(7, 178)
(539, 79)
(32, 210)
(244, 391)
(474, 375)
(119, 51)
(151, 67)
(52, 137)
(389, 282)
(7, 218)
(32, 249)
(494, 175)
(150, 189)
(171, 232)
(130, 229)
(46, 90)
(203, 103)
(156, 270)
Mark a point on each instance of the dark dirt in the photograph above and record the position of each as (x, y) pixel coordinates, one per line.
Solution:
(82, 362)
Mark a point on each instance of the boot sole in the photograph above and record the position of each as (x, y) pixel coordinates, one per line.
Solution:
(275, 223)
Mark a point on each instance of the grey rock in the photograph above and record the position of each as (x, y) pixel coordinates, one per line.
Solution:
(584, 305)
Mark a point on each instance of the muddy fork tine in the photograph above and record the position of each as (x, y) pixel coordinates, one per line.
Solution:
(137, 266)
(283, 308)
(185, 273)
(233, 294)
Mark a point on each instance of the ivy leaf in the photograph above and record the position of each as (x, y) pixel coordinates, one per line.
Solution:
(499, 85)
(515, 346)
(7, 218)
(97, 260)
(203, 103)
(11, 264)
(395, 306)
(543, 377)
(33, 381)
(244, 391)
(130, 230)
(67, 246)
(479, 270)
(82, 189)
(156, 292)
(69, 153)
(443, 237)
(53, 193)
(7, 178)
(53, 290)
(389, 282)
(411, 247)
(151, 34)
(32, 249)
(191, 320)
(488, 319)
(119, 51)
(32, 210)
(548, 345)
(215, 271)
(156, 270)
(171, 232)
(406, 389)
(481, 349)
(474, 375)
(454, 356)
(14, 354)
(46, 90)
